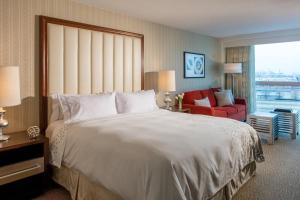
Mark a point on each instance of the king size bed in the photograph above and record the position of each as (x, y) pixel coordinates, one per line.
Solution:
(153, 155)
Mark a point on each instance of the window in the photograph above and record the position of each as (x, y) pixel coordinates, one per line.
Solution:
(277, 75)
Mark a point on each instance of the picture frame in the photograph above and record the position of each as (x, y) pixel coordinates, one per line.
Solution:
(194, 65)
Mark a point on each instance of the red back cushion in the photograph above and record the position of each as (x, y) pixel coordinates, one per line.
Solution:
(189, 97)
(211, 96)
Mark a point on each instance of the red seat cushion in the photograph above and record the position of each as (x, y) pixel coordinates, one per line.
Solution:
(211, 96)
(239, 107)
(189, 97)
(228, 109)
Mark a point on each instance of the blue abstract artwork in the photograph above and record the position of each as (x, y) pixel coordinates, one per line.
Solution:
(194, 65)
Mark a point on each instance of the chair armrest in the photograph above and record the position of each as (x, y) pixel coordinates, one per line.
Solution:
(198, 109)
(240, 101)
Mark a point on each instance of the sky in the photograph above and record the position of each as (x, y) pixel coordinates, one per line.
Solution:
(278, 57)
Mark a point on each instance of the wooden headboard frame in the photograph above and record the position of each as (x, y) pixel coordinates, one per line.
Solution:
(44, 60)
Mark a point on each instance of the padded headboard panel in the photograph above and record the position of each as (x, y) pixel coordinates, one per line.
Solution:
(79, 58)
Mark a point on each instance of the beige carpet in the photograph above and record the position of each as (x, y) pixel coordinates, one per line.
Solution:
(278, 178)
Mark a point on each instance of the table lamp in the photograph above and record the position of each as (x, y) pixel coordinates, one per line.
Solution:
(9, 93)
(166, 83)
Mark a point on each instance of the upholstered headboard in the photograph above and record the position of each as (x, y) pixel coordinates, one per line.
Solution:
(78, 58)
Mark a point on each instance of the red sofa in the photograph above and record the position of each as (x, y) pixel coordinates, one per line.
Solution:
(237, 111)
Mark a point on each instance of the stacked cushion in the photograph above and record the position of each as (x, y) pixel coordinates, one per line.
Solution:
(143, 101)
(78, 108)
(202, 102)
(73, 108)
(224, 98)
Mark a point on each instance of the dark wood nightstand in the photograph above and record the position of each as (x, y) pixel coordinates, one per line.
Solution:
(23, 166)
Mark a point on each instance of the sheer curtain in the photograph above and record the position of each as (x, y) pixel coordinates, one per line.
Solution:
(244, 83)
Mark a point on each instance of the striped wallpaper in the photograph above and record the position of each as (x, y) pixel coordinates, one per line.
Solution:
(164, 47)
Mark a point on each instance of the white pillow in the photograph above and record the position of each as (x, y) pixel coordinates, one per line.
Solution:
(78, 108)
(224, 98)
(142, 101)
(231, 95)
(202, 102)
(56, 113)
(56, 107)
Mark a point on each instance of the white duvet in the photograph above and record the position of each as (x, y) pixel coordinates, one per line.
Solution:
(158, 155)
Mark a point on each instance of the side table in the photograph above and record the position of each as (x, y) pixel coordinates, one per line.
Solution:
(266, 125)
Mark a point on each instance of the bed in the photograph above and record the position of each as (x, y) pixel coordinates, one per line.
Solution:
(151, 155)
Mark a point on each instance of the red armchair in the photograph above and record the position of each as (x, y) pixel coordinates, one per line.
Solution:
(236, 111)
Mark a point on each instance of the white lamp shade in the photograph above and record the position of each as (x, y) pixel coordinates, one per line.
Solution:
(233, 68)
(9, 86)
(166, 81)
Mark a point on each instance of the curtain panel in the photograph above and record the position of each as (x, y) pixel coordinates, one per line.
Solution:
(244, 83)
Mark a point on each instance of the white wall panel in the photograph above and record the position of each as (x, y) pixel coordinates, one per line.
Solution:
(55, 58)
(97, 62)
(84, 62)
(128, 64)
(70, 60)
(118, 63)
(108, 62)
(137, 64)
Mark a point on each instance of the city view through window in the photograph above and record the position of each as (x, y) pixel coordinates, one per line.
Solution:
(277, 75)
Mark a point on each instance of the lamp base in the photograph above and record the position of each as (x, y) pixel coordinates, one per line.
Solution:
(3, 123)
(4, 137)
(168, 101)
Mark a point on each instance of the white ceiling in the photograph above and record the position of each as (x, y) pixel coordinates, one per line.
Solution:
(217, 18)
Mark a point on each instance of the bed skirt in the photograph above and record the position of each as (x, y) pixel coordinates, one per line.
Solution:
(81, 188)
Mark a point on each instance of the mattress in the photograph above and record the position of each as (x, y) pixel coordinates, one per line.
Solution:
(156, 155)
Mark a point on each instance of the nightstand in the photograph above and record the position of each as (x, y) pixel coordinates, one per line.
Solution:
(183, 110)
(23, 165)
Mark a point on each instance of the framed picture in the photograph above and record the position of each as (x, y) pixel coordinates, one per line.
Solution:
(194, 65)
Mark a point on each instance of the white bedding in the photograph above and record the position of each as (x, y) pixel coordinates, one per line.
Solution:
(156, 155)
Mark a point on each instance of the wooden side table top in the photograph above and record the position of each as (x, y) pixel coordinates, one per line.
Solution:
(183, 110)
(262, 115)
(176, 109)
(20, 139)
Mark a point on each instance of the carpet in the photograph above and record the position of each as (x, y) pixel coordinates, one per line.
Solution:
(276, 179)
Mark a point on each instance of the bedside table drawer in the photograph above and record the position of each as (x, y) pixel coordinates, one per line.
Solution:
(20, 170)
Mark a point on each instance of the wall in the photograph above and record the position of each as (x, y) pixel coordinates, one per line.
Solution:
(262, 38)
(164, 47)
